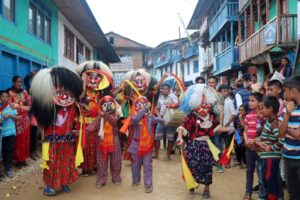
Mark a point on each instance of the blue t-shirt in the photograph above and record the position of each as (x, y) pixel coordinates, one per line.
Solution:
(291, 147)
(8, 125)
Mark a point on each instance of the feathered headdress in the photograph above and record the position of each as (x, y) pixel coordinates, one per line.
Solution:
(43, 88)
(195, 95)
(129, 75)
(82, 67)
(107, 82)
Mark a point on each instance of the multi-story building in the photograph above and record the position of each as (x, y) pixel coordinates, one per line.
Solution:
(254, 34)
(180, 56)
(133, 55)
(267, 32)
(36, 34)
(217, 22)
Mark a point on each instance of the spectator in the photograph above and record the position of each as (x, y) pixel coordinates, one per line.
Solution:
(8, 132)
(290, 128)
(239, 124)
(252, 130)
(229, 113)
(285, 67)
(213, 82)
(241, 95)
(200, 79)
(255, 86)
(166, 100)
(21, 101)
(269, 149)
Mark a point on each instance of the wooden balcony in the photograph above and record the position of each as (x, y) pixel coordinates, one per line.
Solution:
(285, 36)
(242, 4)
(226, 60)
(162, 59)
(192, 51)
(228, 12)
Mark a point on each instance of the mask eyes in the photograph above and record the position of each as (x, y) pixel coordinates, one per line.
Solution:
(104, 105)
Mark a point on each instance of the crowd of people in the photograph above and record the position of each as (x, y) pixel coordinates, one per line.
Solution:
(84, 122)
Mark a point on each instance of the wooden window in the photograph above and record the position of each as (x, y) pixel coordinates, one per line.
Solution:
(87, 54)
(79, 51)
(111, 40)
(196, 66)
(69, 44)
(47, 32)
(39, 25)
(32, 19)
(9, 10)
(39, 21)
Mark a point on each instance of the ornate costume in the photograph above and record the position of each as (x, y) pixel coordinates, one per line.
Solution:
(54, 92)
(108, 146)
(199, 102)
(141, 141)
(97, 81)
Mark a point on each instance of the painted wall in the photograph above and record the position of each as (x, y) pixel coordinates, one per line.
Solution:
(192, 75)
(273, 9)
(17, 36)
(62, 60)
(292, 6)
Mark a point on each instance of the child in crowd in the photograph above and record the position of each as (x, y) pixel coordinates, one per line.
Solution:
(252, 130)
(269, 147)
(239, 123)
(290, 128)
(8, 132)
(108, 144)
(275, 89)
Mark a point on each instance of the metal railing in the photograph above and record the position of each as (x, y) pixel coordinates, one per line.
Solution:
(228, 11)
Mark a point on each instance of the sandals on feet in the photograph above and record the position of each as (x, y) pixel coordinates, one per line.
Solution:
(247, 197)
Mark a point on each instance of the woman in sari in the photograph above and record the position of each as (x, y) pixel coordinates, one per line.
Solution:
(21, 101)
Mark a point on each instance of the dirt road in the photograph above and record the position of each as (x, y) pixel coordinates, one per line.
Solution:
(168, 185)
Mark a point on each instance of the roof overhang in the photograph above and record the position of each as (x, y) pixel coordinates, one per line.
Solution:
(81, 17)
(200, 11)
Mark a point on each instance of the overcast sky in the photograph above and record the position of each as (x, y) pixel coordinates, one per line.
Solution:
(149, 22)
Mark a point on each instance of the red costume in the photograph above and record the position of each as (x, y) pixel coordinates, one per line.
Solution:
(22, 125)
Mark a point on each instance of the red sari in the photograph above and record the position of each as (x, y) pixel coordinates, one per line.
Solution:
(21, 151)
(62, 170)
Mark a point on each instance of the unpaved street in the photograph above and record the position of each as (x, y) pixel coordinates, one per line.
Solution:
(168, 185)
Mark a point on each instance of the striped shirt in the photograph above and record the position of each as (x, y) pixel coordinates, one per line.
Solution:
(291, 147)
(269, 136)
(8, 125)
(250, 121)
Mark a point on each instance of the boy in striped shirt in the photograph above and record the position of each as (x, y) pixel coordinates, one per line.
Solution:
(290, 128)
(269, 147)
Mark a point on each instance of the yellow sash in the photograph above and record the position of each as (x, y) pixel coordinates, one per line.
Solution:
(79, 152)
(188, 177)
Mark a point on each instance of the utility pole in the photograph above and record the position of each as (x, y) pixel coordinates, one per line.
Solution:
(181, 52)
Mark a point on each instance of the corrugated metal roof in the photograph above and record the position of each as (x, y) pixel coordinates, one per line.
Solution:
(80, 15)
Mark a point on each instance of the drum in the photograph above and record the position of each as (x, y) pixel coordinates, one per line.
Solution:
(173, 117)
